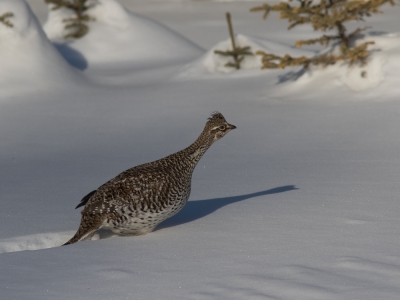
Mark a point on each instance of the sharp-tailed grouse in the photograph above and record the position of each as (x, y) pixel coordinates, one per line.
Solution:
(137, 200)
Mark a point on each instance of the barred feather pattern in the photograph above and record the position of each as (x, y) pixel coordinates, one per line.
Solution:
(138, 199)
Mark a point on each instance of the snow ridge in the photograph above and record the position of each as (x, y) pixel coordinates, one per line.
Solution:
(34, 241)
(120, 36)
(28, 59)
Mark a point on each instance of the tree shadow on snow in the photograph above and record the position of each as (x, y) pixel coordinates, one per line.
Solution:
(72, 56)
(194, 210)
(291, 76)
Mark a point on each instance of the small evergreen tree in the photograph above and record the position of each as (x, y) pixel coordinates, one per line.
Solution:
(4, 17)
(237, 53)
(324, 15)
(77, 25)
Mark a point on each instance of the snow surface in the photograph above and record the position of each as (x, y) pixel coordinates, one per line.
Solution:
(299, 202)
(211, 63)
(119, 36)
(28, 59)
(385, 52)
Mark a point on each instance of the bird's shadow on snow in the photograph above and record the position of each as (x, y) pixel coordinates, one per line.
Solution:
(194, 210)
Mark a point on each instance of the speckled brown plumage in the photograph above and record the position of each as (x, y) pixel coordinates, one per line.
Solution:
(137, 200)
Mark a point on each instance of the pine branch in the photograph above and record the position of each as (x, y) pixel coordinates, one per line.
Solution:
(358, 54)
(355, 55)
(76, 25)
(358, 31)
(324, 41)
(272, 61)
(323, 16)
(78, 28)
(238, 51)
(61, 3)
(265, 7)
(4, 17)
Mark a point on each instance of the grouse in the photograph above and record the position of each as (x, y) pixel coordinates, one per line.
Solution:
(138, 199)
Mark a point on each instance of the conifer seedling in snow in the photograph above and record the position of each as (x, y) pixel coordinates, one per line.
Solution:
(237, 53)
(326, 16)
(77, 25)
(4, 19)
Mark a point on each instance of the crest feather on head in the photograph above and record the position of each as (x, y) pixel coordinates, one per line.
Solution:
(216, 115)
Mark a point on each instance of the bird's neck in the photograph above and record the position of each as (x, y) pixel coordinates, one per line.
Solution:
(191, 155)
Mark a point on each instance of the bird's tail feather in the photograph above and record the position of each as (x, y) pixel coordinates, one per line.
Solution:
(89, 224)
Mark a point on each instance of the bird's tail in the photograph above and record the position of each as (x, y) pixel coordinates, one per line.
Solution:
(89, 224)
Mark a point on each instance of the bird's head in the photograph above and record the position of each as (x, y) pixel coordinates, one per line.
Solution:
(217, 126)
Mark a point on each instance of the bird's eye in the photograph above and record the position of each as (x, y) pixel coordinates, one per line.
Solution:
(222, 127)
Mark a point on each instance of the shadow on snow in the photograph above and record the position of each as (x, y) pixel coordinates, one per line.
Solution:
(194, 210)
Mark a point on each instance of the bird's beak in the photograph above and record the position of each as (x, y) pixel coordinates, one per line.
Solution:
(231, 127)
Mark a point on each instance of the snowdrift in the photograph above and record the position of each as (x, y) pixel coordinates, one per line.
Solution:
(382, 63)
(34, 241)
(119, 36)
(28, 59)
(211, 64)
(382, 66)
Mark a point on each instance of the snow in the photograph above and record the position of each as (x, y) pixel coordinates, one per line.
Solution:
(385, 51)
(210, 63)
(118, 36)
(299, 202)
(34, 241)
(28, 60)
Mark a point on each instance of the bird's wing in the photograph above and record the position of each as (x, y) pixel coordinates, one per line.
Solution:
(85, 199)
(130, 187)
